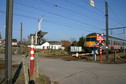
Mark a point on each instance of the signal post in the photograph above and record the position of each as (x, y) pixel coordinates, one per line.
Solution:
(100, 43)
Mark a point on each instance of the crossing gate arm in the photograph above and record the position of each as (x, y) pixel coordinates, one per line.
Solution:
(79, 55)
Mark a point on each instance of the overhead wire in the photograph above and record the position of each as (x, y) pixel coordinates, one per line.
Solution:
(61, 23)
(70, 2)
(52, 22)
(23, 15)
(94, 7)
(99, 10)
(84, 7)
(72, 19)
(69, 10)
(117, 21)
(111, 10)
(102, 11)
(68, 26)
(30, 17)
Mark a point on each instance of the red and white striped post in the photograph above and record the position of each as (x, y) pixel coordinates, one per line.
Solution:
(32, 56)
(100, 39)
(100, 53)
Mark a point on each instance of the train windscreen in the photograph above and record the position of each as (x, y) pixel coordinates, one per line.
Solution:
(93, 39)
(87, 39)
(90, 39)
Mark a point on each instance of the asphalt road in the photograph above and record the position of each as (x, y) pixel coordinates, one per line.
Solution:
(75, 72)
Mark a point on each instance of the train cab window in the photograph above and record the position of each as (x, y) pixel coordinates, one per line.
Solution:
(87, 39)
(90, 39)
(93, 39)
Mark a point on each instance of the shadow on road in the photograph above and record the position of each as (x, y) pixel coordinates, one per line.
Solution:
(16, 75)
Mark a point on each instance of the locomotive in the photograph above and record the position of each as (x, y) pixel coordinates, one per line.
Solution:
(114, 43)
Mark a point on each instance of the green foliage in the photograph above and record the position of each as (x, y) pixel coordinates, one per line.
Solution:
(81, 42)
(41, 78)
(74, 43)
(25, 50)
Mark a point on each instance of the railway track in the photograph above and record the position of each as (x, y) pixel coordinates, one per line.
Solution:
(90, 57)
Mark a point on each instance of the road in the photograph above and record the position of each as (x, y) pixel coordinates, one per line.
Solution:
(75, 72)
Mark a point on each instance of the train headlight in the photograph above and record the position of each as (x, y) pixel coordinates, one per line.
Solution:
(107, 47)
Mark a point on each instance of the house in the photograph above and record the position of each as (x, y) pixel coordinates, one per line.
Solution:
(14, 42)
(43, 46)
(54, 45)
(66, 43)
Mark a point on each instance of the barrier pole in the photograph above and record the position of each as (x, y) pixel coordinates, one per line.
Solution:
(100, 54)
(32, 56)
(95, 57)
(94, 54)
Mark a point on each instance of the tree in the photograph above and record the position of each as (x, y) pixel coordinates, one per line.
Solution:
(74, 43)
(81, 42)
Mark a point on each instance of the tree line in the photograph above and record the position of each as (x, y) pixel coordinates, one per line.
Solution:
(81, 42)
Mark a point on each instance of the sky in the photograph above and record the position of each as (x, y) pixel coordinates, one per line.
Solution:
(65, 19)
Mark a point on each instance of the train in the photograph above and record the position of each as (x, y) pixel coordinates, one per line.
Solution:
(114, 43)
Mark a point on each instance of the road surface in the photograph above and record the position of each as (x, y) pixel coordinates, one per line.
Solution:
(75, 72)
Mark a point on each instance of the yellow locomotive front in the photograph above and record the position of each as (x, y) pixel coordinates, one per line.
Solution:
(90, 42)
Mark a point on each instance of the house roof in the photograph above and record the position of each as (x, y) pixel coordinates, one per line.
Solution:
(65, 42)
(45, 44)
(54, 42)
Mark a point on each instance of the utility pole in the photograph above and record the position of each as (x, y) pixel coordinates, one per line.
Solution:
(21, 39)
(8, 42)
(107, 36)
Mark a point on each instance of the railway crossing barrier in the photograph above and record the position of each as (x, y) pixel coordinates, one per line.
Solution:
(100, 42)
(94, 53)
